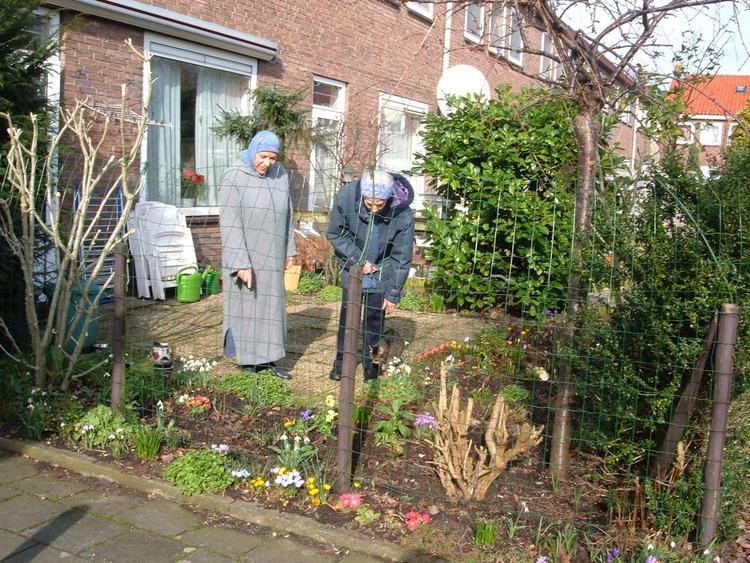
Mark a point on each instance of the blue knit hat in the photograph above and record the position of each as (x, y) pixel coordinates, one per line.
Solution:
(377, 184)
(264, 141)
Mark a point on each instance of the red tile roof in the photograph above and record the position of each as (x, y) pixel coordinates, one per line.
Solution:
(716, 96)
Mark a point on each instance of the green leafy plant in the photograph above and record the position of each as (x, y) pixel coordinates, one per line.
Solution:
(293, 453)
(485, 533)
(98, 424)
(507, 226)
(437, 302)
(413, 301)
(262, 388)
(393, 427)
(366, 515)
(515, 394)
(331, 294)
(199, 471)
(399, 387)
(147, 441)
(310, 283)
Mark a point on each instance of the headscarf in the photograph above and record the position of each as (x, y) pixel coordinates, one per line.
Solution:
(378, 184)
(262, 142)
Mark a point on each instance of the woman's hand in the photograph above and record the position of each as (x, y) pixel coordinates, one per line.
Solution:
(246, 276)
(388, 306)
(289, 262)
(368, 268)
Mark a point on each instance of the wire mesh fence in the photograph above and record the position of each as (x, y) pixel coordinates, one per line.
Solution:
(460, 424)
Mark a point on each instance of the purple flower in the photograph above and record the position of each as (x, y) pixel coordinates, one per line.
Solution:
(652, 559)
(306, 415)
(541, 559)
(612, 554)
(425, 419)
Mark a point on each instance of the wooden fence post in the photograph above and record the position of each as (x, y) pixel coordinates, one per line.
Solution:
(348, 370)
(118, 327)
(724, 369)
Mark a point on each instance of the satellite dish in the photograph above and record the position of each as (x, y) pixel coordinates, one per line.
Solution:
(460, 80)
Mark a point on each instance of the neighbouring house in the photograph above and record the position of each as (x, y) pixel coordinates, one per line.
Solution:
(372, 68)
(712, 105)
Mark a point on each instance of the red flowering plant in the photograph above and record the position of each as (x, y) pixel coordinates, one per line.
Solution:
(198, 404)
(192, 183)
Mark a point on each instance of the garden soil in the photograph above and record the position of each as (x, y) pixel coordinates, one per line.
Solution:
(527, 506)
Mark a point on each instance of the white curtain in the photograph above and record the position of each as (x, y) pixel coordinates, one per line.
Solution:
(163, 152)
(216, 89)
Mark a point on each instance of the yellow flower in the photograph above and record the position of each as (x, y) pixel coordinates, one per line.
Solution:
(509, 342)
(453, 343)
(316, 501)
(314, 492)
(327, 487)
(311, 480)
(357, 485)
(459, 346)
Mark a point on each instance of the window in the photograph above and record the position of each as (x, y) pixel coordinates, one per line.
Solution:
(422, 8)
(497, 27)
(46, 27)
(732, 129)
(195, 85)
(474, 26)
(327, 116)
(687, 134)
(399, 139)
(549, 68)
(710, 134)
(515, 40)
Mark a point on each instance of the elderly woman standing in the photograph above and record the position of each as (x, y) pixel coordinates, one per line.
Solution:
(257, 238)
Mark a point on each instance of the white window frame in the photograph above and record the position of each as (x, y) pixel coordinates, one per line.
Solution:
(710, 134)
(516, 57)
(333, 113)
(689, 128)
(54, 66)
(553, 69)
(424, 9)
(192, 53)
(468, 34)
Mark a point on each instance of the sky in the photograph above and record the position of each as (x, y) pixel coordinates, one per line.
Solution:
(735, 48)
(719, 26)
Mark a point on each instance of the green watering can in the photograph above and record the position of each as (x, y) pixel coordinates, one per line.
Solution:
(189, 283)
(211, 277)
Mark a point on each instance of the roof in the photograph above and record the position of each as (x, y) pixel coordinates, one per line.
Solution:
(722, 94)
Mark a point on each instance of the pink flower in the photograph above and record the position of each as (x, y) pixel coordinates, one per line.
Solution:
(414, 519)
(350, 500)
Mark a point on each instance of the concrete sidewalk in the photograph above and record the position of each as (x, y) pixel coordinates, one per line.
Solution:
(46, 516)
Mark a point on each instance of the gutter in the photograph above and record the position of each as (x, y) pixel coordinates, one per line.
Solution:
(173, 24)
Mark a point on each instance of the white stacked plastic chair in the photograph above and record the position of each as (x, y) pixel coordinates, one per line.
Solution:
(164, 245)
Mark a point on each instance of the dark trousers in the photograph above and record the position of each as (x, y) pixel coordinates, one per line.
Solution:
(373, 323)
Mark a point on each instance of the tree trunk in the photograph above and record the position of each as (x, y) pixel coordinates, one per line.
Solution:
(586, 126)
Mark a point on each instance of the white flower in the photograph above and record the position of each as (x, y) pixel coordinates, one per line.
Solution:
(450, 359)
(672, 544)
(306, 440)
(461, 208)
(525, 506)
(107, 375)
(297, 438)
(284, 438)
(112, 437)
(467, 339)
(30, 407)
(707, 552)
(650, 547)
(160, 405)
(87, 428)
(541, 373)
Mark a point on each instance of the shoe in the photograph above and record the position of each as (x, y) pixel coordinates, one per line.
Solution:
(280, 373)
(371, 374)
(334, 376)
(248, 369)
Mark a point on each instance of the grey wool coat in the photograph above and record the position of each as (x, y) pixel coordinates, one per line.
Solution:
(256, 224)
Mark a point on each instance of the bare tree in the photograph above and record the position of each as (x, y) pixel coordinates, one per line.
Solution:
(86, 129)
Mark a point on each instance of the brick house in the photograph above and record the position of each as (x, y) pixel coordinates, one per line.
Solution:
(371, 66)
(712, 105)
